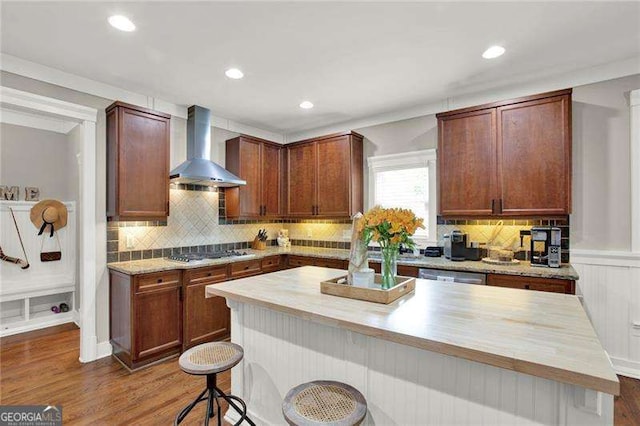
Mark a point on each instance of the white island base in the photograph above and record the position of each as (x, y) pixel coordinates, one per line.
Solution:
(402, 385)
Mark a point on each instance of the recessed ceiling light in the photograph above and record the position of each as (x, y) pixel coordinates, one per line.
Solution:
(306, 105)
(122, 23)
(493, 52)
(234, 73)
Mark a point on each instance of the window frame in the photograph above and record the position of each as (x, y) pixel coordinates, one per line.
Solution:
(409, 160)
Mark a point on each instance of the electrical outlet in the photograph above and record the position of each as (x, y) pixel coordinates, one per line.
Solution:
(309, 233)
(130, 242)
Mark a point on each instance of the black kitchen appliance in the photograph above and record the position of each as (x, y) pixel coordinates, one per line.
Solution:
(455, 247)
(545, 246)
(433, 251)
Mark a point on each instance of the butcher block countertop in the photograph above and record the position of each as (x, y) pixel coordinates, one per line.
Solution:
(135, 267)
(542, 334)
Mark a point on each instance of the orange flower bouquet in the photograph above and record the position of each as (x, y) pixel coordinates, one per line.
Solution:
(389, 228)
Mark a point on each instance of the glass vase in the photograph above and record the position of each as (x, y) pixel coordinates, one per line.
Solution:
(389, 268)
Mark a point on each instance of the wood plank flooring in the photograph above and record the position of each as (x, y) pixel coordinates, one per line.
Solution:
(42, 367)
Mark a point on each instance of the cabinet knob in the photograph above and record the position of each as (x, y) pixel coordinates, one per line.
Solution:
(526, 286)
(159, 280)
(209, 274)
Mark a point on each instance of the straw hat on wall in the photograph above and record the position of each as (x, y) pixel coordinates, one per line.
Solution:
(50, 213)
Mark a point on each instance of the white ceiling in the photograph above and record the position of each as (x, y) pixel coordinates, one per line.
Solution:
(352, 60)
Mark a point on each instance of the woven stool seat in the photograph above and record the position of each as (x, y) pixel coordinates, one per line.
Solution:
(211, 358)
(324, 403)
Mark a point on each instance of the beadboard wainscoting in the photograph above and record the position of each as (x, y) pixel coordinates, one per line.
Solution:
(610, 285)
(403, 385)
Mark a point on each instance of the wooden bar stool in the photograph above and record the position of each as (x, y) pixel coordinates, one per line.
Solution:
(209, 359)
(324, 402)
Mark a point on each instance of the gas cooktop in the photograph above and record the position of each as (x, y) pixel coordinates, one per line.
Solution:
(188, 257)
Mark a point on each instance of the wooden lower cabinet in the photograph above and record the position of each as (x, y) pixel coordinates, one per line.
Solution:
(146, 316)
(271, 264)
(205, 319)
(403, 270)
(325, 262)
(530, 283)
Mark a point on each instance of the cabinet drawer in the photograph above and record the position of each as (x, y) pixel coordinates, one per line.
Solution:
(532, 283)
(330, 263)
(408, 271)
(271, 263)
(213, 274)
(246, 268)
(300, 261)
(157, 281)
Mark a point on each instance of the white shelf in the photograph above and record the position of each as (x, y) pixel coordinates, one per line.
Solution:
(35, 311)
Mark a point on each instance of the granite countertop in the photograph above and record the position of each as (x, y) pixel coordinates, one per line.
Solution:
(522, 269)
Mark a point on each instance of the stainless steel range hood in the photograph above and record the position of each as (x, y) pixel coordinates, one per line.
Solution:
(199, 169)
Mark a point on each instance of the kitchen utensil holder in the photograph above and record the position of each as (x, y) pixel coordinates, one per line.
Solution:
(258, 245)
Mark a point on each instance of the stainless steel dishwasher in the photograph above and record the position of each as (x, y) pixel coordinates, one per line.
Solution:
(452, 276)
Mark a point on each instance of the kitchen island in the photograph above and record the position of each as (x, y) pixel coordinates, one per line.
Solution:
(447, 354)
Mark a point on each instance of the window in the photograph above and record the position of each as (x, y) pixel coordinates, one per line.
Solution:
(406, 180)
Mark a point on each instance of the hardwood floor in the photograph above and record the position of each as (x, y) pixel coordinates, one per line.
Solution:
(42, 367)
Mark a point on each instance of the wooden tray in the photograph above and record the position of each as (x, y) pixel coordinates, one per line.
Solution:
(404, 285)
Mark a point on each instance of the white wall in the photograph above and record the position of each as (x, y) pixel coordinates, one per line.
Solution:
(409, 135)
(40, 158)
(601, 217)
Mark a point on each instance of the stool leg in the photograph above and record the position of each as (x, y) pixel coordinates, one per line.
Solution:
(183, 413)
(242, 411)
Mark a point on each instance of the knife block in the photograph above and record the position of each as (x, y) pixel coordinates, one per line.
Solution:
(258, 245)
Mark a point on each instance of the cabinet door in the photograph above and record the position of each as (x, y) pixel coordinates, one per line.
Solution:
(143, 165)
(334, 177)
(271, 163)
(250, 197)
(466, 163)
(205, 319)
(301, 180)
(158, 322)
(534, 157)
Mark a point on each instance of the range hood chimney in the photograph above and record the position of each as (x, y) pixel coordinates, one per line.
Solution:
(199, 169)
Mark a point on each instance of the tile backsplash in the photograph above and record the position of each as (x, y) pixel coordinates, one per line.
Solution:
(197, 223)
(197, 220)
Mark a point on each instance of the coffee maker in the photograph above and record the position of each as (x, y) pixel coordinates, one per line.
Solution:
(545, 246)
(455, 245)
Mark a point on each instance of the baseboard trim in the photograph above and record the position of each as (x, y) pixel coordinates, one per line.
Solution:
(627, 368)
(103, 349)
(232, 417)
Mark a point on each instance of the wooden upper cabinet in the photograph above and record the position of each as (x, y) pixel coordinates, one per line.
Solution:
(137, 163)
(466, 163)
(324, 176)
(259, 162)
(508, 158)
(302, 164)
(272, 176)
(534, 157)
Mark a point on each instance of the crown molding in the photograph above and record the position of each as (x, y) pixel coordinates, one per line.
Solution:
(25, 119)
(15, 65)
(480, 94)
